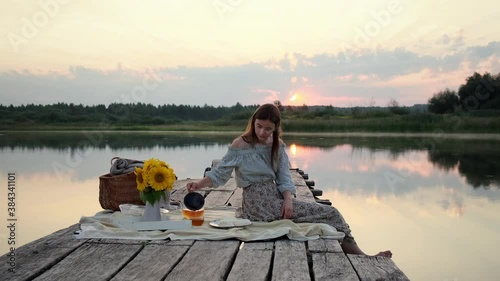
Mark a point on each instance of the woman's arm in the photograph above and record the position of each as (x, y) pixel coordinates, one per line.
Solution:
(220, 174)
(283, 176)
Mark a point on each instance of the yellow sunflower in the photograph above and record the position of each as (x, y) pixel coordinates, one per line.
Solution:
(170, 179)
(162, 163)
(150, 163)
(158, 178)
(139, 179)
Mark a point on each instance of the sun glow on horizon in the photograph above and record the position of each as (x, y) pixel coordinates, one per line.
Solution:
(296, 98)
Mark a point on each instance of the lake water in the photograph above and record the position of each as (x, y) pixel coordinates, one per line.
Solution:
(433, 201)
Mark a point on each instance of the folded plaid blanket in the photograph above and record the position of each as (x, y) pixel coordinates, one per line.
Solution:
(123, 166)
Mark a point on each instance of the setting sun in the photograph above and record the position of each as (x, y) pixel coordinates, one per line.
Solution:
(298, 97)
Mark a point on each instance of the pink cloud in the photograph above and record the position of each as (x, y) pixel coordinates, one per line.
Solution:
(272, 95)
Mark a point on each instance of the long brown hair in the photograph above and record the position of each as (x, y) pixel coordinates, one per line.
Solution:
(265, 112)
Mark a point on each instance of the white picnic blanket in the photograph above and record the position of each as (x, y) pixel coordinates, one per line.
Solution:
(106, 225)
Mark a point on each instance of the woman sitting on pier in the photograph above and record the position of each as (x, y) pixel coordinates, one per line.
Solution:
(262, 169)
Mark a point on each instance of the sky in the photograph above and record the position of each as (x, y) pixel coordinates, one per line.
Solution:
(221, 52)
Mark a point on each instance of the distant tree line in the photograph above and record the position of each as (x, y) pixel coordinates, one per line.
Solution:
(123, 114)
(148, 114)
(479, 94)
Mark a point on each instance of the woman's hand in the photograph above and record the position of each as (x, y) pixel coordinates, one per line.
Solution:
(287, 208)
(197, 185)
(193, 186)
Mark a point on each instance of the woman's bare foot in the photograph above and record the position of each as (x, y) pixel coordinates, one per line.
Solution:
(387, 254)
(352, 248)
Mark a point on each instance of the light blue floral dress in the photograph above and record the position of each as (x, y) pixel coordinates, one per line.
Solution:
(263, 187)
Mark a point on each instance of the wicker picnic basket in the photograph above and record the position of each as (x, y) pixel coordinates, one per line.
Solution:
(116, 190)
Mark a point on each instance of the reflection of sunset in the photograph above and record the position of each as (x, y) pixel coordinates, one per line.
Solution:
(412, 162)
(363, 168)
(393, 195)
(292, 154)
(299, 155)
(344, 147)
(452, 203)
(368, 170)
(345, 168)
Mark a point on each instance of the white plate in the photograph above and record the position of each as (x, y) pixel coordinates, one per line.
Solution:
(230, 223)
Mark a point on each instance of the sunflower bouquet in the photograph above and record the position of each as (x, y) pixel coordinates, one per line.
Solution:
(153, 180)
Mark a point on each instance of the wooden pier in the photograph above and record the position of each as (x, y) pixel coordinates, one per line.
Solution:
(60, 256)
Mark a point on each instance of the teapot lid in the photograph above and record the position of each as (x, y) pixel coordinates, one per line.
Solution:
(194, 201)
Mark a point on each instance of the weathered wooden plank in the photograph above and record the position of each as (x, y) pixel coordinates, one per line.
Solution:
(290, 261)
(206, 260)
(332, 266)
(302, 190)
(173, 243)
(229, 186)
(236, 198)
(376, 268)
(303, 193)
(324, 246)
(181, 184)
(153, 263)
(217, 198)
(36, 257)
(253, 262)
(297, 178)
(117, 241)
(92, 261)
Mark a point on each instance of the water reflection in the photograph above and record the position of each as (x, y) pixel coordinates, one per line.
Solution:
(45, 204)
(428, 214)
(74, 153)
(477, 160)
(419, 197)
(113, 140)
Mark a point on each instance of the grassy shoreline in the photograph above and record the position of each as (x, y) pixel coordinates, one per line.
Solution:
(436, 135)
(397, 124)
